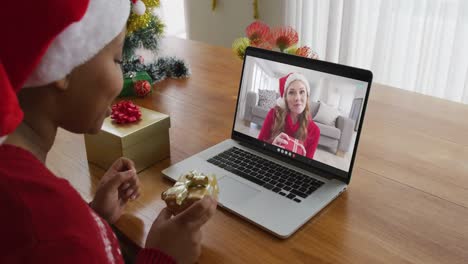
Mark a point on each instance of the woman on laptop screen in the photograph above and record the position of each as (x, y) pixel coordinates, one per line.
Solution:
(289, 124)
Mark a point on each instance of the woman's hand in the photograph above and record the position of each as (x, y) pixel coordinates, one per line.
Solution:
(281, 140)
(118, 185)
(180, 236)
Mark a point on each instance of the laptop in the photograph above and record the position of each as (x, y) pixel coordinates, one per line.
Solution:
(276, 186)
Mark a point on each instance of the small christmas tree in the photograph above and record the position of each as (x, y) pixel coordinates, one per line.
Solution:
(144, 32)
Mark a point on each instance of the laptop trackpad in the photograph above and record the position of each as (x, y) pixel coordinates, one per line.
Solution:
(233, 191)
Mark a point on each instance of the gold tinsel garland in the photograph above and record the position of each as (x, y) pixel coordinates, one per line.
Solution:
(151, 3)
(136, 22)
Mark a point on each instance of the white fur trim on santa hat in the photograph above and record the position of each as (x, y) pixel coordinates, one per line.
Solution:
(2, 139)
(291, 78)
(102, 22)
(296, 77)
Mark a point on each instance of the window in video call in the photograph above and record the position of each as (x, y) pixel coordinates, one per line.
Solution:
(305, 113)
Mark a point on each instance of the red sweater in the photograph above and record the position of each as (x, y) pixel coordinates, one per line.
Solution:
(44, 220)
(313, 131)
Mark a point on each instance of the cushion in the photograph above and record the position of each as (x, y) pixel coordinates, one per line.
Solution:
(313, 107)
(259, 111)
(326, 115)
(329, 131)
(266, 98)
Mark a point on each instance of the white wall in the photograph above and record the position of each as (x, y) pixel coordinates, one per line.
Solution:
(338, 93)
(172, 14)
(229, 20)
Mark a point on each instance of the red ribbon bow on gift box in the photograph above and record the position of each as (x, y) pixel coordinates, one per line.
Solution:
(295, 145)
(125, 112)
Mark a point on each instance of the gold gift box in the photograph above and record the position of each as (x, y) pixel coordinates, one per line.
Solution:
(145, 142)
(189, 188)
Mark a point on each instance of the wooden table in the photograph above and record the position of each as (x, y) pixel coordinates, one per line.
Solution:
(408, 198)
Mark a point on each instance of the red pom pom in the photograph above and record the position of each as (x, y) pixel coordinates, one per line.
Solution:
(125, 112)
(142, 88)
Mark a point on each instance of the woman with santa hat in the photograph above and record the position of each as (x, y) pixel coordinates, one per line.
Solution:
(60, 67)
(289, 124)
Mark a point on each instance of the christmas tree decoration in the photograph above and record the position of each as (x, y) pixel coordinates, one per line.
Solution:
(283, 39)
(139, 20)
(138, 7)
(142, 88)
(130, 79)
(147, 38)
(144, 32)
(165, 67)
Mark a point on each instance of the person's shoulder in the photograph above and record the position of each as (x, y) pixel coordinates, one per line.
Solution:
(21, 171)
(46, 211)
(11, 154)
(44, 214)
(18, 162)
(49, 203)
(16, 165)
(272, 111)
(312, 126)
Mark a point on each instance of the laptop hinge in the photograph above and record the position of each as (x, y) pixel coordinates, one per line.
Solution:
(298, 164)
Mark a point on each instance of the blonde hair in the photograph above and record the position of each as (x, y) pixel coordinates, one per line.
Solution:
(280, 117)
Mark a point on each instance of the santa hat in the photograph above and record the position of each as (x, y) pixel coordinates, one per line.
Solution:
(45, 40)
(284, 83)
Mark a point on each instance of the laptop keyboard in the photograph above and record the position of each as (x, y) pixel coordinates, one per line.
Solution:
(279, 179)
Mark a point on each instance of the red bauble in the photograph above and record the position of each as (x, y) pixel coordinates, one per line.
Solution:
(142, 88)
(125, 112)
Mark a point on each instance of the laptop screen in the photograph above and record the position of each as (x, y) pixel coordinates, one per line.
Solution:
(306, 110)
